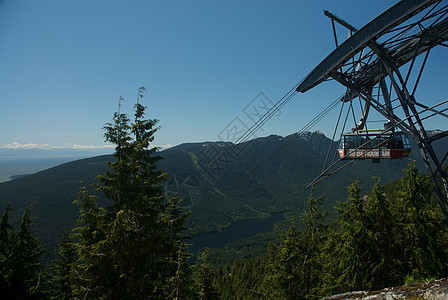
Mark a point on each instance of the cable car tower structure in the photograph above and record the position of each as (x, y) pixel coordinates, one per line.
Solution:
(381, 65)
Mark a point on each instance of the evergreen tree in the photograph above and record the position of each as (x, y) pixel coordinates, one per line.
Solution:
(378, 242)
(248, 279)
(60, 282)
(348, 250)
(297, 264)
(6, 239)
(21, 270)
(311, 243)
(223, 282)
(285, 266)
(204, 279)
(245, 279)
(383, 265)
(182, 283)
(420, 231)
(130, 249)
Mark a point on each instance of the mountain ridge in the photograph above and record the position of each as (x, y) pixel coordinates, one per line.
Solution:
(246, 185)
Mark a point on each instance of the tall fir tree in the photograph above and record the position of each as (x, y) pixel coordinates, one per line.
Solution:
(311, 240)
(420, 231)
(383, 265)
(204, 278)
(130, 249)
(380, 239)
(296, 262)
(20, 266)
(348, 249)
(285, 260)
(59, 285)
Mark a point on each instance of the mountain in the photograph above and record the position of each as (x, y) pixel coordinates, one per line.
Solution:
(221, 183)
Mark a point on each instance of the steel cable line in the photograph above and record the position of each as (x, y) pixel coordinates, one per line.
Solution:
(273, 110)
(257, 125)
(305, 128)
(268, 115)
(334, 135)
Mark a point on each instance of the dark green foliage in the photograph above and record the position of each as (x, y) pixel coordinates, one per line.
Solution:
(20, 268)
(286, 265)
(254, 246)
(349, 247)
(61, 271)
(204, 279)
(360, 252)
(295, 263)
(378, 240)
(420, 233)
(245, 279)
(382, 238)
(291, 270)
(132, 248)
(242, 192)
(311, 243)
(181, 284)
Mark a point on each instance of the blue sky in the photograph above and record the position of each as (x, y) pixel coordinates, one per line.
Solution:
(64, 64)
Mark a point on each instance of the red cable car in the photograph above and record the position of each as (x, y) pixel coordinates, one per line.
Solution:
(374, 144)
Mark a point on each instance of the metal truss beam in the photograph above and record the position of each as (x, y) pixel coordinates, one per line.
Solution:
(383, 61)
(370, 32)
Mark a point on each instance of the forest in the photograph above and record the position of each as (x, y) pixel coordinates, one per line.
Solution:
(134, 245)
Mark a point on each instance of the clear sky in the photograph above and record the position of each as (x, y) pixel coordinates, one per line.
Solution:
(64, 64)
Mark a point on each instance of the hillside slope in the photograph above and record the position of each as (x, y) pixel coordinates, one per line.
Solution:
(219, 182)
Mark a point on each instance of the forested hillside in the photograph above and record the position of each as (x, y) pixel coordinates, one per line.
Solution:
(391, 235)
(125, 223)
(243, 188)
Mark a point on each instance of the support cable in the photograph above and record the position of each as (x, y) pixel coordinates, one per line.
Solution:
(307, 127)
(257, 125)
(334, 135)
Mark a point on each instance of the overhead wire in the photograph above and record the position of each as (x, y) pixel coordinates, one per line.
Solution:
(257, 125)
(334, 135)
(269, 113)
(305, 128)
(273, 110)
(260, 122)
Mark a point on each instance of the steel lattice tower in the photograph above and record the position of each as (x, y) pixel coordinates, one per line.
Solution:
(376, 64)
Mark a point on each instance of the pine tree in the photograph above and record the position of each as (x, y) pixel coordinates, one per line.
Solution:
(21, 269)
(348, 250)
(88, 271)
(6, 232)
(181, 284)
(296, 262)
(383, 265)
(204, 278)
(381, 238)
(287, 257)
(311, 243)
(130, 249)
(422, 248)
(61, 271)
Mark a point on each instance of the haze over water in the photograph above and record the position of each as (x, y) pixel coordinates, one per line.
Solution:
(29, 161)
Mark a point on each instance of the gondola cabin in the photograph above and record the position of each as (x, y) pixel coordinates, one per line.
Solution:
(379, 145)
